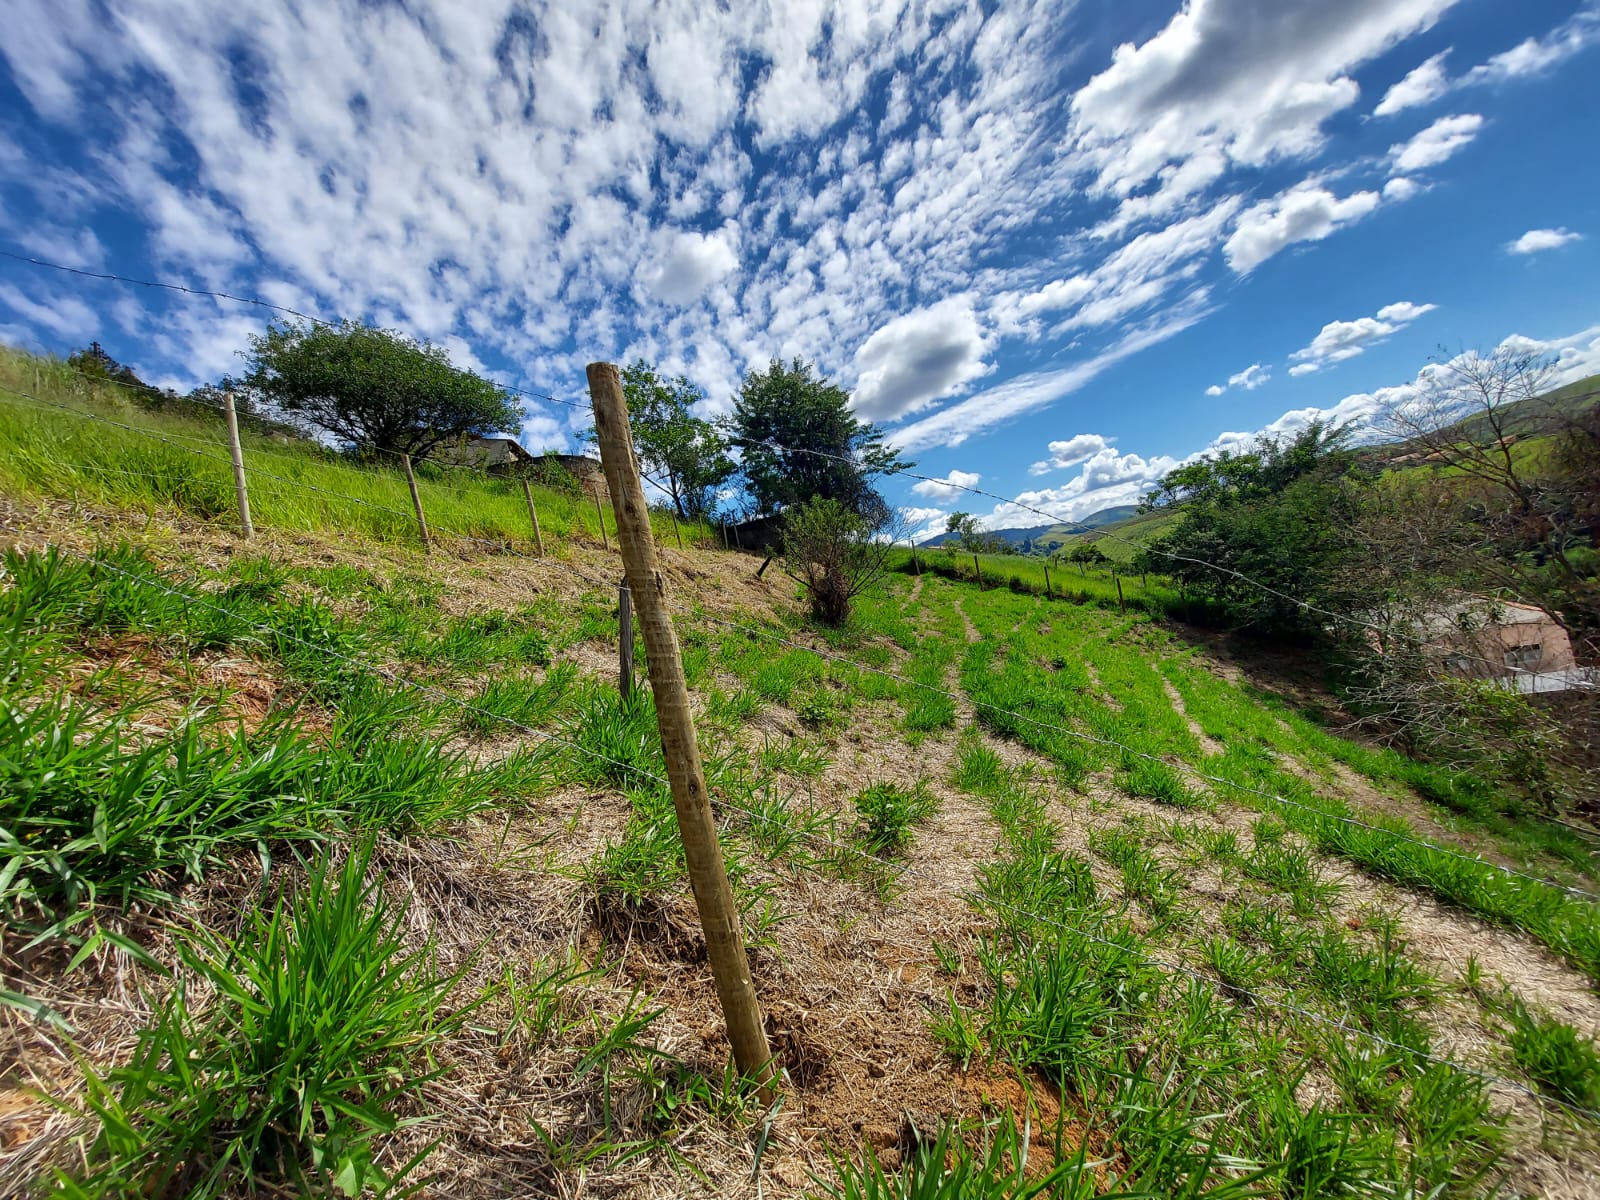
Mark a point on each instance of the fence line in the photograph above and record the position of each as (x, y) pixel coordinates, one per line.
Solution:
(755, 631)
(892, 868)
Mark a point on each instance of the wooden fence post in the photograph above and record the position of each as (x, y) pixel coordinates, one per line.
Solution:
(236, 453)
(1121, 604)
(677, 529)
(708, 877)
(416, 497)
(915, 565)
(737, 544)
(977, 572)
(533, 515)
(1048, 595)
(624, 638)
(601, 517)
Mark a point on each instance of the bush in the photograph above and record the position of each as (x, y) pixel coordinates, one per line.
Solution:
(835, 553)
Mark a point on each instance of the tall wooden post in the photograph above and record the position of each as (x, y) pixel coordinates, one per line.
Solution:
(977, 571)
(236, 453)
(600, 516)
(624, 638)
(719, 918)
(677, 529)
(533, 515)
(915, 565)
(416, 497)
(1048, 595)
(1122, 605)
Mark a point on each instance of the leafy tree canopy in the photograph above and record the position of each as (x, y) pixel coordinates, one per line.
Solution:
(800, 440)
(376, 387)
(684, 452)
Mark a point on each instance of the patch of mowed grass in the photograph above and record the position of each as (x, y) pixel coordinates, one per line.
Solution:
(316, 1034)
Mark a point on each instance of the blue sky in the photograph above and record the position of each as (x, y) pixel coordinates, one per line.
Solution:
(1053, 248)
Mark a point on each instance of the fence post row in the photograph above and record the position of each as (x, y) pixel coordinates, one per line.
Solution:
(533, 515)
(236, 453)
(416, 498)
(708, 877)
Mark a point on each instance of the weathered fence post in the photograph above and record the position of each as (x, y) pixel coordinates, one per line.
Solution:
(533, 515)
(1122, 605)
(977, 572)
(416, 497)
(708, 877)
(737, 544)
(677, 530)
(724, 528)
(601, 517)
(624, 638)
(915, 565)
(1048, 594)
(236, 453)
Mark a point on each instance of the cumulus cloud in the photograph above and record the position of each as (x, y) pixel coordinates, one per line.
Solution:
(1228, 82)
(949, 488)
(1341, 340)
(1071, 451)
(918, 358)
(691, 264)
(1106, 479)
(1400, 188)
(1306, 213)
(1536, 240)
(1437, 143)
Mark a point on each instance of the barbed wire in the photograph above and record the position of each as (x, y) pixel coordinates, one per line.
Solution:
(502, 547)
(893, 868)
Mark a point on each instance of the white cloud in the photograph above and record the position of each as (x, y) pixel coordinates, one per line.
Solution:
(1423, 85)
(1250, 378)
(955, 424)
(1227, 82)
(1216, 389)
(949, 488)
(1306, 213)
(691, 264)
(1106, 479)
(917, 358)
(1069, 452)
(1342, 340)
(1534, 55)
(1400, 188)
(1536, 240)
(1436, 143)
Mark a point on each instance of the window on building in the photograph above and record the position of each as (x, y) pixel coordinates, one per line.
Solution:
(1524, 658)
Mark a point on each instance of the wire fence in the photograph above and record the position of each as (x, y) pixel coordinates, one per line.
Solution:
(501, 547)
(1341, 1023)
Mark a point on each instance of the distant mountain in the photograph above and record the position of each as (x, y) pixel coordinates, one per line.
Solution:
(1045, 538)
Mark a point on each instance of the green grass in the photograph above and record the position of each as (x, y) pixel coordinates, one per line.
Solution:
(318, 1034)
(294, 485)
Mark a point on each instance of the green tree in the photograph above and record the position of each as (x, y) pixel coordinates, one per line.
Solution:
(685, 453)
(800, 440)
(1085, 554)
(1263, 534)
(968, 535)
(374, 387)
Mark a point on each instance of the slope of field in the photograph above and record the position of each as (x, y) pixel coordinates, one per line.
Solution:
(328, 860)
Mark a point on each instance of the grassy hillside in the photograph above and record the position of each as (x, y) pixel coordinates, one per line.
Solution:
(69, 443)
(328, 863)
